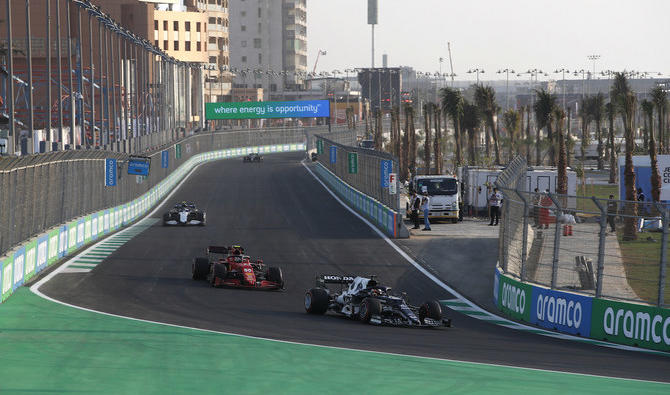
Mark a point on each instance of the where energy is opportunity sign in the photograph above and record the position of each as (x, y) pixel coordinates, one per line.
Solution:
(268, 109)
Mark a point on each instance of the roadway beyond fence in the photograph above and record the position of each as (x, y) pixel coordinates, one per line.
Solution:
(577, 269)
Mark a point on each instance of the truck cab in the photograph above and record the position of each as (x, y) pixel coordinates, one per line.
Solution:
(444, 191)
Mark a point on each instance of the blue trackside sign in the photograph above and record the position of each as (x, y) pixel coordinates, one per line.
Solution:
(333, 154)
(138, 166)
(165, 159)
(562, 311)
(386, 168)
(110, 172)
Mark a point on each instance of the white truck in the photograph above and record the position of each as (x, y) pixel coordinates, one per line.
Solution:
(445, 194)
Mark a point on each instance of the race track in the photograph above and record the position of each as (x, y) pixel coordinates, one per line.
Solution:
(279, 212)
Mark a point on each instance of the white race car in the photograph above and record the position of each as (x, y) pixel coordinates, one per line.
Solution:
(184, 214)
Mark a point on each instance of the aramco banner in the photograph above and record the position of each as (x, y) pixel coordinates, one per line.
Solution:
(268, 109)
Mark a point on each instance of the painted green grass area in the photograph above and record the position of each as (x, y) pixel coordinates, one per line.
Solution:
(641, 259)
(47, 347)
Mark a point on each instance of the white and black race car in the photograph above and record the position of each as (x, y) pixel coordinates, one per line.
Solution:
(184, 214)
(364, 299)
(253, 157)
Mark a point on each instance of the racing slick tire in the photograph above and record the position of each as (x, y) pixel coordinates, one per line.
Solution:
(316, 301)
(202, 217)
(200, 268)
(166, 218)
(369, 307)
(219, 271)
(275, 275)
(430, 309)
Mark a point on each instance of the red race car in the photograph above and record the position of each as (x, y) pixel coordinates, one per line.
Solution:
(229, 266)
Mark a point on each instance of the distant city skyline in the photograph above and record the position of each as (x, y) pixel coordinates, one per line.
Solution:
(492, 35)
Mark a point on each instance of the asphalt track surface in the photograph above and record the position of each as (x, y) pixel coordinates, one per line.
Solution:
(279, 212)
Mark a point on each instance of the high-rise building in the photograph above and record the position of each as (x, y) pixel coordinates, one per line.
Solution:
(268, 45)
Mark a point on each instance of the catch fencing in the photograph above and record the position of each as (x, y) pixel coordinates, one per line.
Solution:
(596, 247)
(365, 170)
(38, 192)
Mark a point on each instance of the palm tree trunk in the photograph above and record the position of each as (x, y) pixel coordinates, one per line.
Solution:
(487, 138)
(538, 151)
(562, 182)
(645, 136)
(569, 137)
(471, 146)
(661, 134)
(655, 174)
(378, 131)
(585, 135)
(458, 140)
(427, 142)
(613, 157)
(552, 148)
(630, 210)
(404, 154)
(437, 141)
(412, 145)
(599, 135)
(528, 110)
(494, 133)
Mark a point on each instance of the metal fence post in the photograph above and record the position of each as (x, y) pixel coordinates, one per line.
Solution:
(557, 242)
(601, 247)
(525, 234)
(664, 254)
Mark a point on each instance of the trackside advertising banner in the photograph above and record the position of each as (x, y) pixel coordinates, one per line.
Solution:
(35, 255)
(632, 324)
(515, 298)
(268, 109)
(562, 311)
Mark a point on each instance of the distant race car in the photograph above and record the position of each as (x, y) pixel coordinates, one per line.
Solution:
(184, 214)
(364, 299)
(229, 266)
(253, 157)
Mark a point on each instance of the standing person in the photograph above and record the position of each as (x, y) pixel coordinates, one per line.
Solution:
(425, 206)
(612, 211)
(414, 206)
(537, 198)
(640, 195)
(495, 201)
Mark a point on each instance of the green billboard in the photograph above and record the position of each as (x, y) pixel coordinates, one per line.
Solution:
(319, 146)
(632, 324)
(515, 298)
(268, 109)
(353, 162)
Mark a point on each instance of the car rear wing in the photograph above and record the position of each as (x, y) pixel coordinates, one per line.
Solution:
(332, 279)
(217, 250)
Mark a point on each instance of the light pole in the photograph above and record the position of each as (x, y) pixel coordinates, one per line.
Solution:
(563, 70)
(476, 71)
(506, 71)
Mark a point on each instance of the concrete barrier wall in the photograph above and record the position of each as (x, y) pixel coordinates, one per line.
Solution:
(582, 315)
(385, 219)
(31, 257)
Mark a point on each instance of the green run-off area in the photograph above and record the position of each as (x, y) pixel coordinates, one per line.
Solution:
(46, 347)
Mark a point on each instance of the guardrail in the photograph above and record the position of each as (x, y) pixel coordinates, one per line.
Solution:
(364, 169)
(33, 256)
(561, 268)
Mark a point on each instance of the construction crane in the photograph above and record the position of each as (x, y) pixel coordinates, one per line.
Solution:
(451, 64)
(317, 60)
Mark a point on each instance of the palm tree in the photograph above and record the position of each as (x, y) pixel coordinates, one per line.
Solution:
(529, 138)
(511, 121)
(437, 141)
(610, 111)
(452, 105)
(562, 179)
(660, 100)
(485, 97)
(585, 115)
(648, 110)
(569, 144)
(427, 111)
(471, 120)
(597, 113)
(626, 103)
(544, 113)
